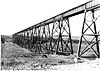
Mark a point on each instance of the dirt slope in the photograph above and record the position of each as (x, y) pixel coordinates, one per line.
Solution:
(17, 58)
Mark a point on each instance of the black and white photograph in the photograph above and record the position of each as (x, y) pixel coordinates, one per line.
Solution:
(50, 35)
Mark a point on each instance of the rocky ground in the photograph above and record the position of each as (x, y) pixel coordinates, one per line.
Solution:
(14, 57)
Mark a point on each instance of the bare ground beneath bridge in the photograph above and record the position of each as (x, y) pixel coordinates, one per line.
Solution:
(17, 58)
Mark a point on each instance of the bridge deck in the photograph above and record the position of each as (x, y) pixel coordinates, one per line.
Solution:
(72, 12)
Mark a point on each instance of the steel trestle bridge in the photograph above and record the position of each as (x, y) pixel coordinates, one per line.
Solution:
(41, 38)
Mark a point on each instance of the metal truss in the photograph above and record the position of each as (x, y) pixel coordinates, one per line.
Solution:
(61, 37)
(42, 38)
(89, 30)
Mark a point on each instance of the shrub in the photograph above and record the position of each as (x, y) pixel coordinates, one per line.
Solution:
(2, 39)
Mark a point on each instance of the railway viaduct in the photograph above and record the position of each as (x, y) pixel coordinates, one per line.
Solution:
(42, 38)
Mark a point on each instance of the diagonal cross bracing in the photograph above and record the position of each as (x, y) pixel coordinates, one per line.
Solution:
(40, 37)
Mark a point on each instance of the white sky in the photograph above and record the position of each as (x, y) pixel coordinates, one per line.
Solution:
(16, 15)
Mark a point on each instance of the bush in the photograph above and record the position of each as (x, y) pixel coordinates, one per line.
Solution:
(75, 41)
(2, 39)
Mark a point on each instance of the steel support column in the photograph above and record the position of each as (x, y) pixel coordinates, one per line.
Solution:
(61, 37)
(94, 43)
